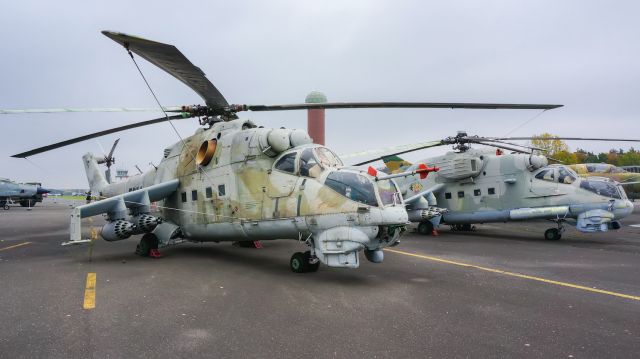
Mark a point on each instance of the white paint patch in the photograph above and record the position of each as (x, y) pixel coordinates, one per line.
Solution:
(635, 225)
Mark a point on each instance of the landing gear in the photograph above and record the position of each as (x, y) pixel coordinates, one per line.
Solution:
(425, 228)
(4, 205)
(28, 203)
(463, 227)
(552, 234)
(304, 262)
(148, 246)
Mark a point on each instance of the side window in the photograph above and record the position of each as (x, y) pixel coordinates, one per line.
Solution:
(476, 192)
(546, 175)
(221, 190)
(447, 195)
(287, 163)
(208, 192)
(194, 195)
(184, 196)
(491, 190)
(461, 194)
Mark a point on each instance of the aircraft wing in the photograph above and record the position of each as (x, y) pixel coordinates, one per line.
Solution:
(120, 204)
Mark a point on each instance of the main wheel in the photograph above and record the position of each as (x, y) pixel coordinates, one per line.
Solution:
(299, 263)
(552, 234)
(28, 203)
(148, 242)
(6, 207)
(425, 228)
(311, 267)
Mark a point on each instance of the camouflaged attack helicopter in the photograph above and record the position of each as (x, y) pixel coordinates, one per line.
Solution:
(482, 186)
(234, 181)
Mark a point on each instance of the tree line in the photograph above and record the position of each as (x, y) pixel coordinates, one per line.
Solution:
(559, 150)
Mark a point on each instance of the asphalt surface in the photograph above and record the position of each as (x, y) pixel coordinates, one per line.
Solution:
(500, 291)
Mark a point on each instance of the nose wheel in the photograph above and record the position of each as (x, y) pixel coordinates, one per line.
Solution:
(304, 262)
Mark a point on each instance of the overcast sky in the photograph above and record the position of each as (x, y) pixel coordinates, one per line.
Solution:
(583, 54)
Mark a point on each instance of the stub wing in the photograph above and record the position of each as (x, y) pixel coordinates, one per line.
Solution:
(117, 207)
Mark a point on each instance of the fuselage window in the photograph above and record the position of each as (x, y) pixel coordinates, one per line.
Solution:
(184, 196)
(194, 195)
(208, 192)
(476, 192)
(546, 175)
(461, 194)
(287, 163)
(491, 190)
(221, 190)
(447, 195)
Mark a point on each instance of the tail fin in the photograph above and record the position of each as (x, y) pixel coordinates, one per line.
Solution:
(97, 182)
(395, 164)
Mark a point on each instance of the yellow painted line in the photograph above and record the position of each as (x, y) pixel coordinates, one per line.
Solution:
(518, 275)
(90, 292)
(14, 246)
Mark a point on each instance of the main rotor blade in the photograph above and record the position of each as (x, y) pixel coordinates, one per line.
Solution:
(171, 60)
(337, 105)
(412, 148)
(565, 139)
(105, 109)
(94, 135)
(501, 146)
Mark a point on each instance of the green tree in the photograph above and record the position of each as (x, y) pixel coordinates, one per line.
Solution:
(550, 143)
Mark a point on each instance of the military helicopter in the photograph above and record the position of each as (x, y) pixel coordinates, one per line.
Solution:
(235, 181)
(26, 194)
(483, 186)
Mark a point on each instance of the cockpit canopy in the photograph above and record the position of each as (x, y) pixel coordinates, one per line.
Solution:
(604, 187)
(556, 173)
(314, 161)
(308, 162)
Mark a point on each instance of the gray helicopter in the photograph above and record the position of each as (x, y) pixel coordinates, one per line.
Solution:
(26, 194)
(490, 185)
(235, 181)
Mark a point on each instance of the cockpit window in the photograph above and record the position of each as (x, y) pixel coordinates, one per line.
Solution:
(388, 192)
(602, 188)
(546, 175)
(353, 186)
(309, 166)
(287, 163)
(565, 175)
(327, 158)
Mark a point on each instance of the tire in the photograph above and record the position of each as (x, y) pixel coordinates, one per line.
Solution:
(6, 207)
(28, 203)
(425, 228)
(148, 242)
(311, 267)
(552, 234)
(298, 263)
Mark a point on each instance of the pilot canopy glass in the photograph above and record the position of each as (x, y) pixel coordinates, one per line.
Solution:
(602, 188)
(353, 186)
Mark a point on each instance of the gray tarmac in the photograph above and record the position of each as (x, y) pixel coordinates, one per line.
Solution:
(500, 291)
